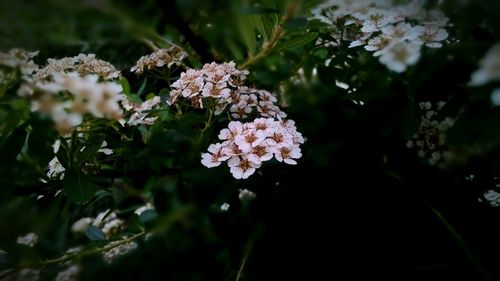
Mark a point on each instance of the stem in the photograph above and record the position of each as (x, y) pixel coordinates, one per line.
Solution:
(276, 36)
(461, 242)
(93, 251)
(68, 257)
(244, 261)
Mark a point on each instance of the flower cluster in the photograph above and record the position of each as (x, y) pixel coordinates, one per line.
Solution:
(246, 102)
(107, 221)
(245, 146)
(216, 81)
(83, 64)
(224, 84)
(138, 113)
(430, 140)
(159, 58)
(20, 59)
(395, 33)
(69, 97)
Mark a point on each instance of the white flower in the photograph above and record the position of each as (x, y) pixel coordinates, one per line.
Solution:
(241, 168)
(260, 153)
(103, 149)
(224, 207)
(159, 58)
(29, 239)
(287, 154)
(21, 59)
(249, 139)
(120, 250)
(56, 169)
(228, 135)
(398, 57)
(495, 97)
(492, 197)
(144, 208)
(218, 90)
(433, 36)
(246, 195)
(69, 274)
(81, 225)
(489, 69)
(216, 156)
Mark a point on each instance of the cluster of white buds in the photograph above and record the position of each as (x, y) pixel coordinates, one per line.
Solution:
(395, 33)
(245, 146)
(19, 59)
(107, 221)
(69, 97)
(215, 81)
(83, 64)
(430, 140)
(159, 58)
(138, 114)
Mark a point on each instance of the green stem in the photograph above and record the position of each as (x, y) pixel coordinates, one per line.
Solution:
(461, 242)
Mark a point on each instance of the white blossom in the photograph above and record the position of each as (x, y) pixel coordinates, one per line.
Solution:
(29, 239)
(489, 67)
(246, 146)
(159, 58)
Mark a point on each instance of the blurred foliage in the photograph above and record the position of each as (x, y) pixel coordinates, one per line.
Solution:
(359, 204)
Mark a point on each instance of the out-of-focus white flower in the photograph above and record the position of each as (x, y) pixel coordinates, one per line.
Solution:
(20, 59)
(137, 114)
(430, 140)
(224, 207)
(489, 67)
(81, 225)
(159, 58)
(118, 251)
(399, 56)
(108, 222)
(144, 208)
(384, 27)
(246, 195)
(29, 239)
(103, 149)
(83, 64)
(69, 97)
(493, 198)
(69, 274)
(495, 97)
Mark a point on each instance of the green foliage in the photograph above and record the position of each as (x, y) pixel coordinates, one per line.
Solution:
(356, 194)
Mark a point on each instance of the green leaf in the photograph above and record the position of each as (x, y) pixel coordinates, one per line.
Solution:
(147, 216)
(247, 30)
(295, 42)
(91, 148)
(125, 85)
(13, 145)
(95, 233)
(249, 10)
(77, 187)
(296, 23)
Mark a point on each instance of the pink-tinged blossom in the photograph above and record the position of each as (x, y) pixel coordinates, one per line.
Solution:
(241, 168)
(246, 146)
(215, 157)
